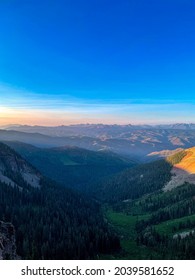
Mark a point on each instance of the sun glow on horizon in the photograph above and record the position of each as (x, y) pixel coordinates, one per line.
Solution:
(19, 106)
(65, 117)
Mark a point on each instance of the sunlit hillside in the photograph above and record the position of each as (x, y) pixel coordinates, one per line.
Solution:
(188, 162)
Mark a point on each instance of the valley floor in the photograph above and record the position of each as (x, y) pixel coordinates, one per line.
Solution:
(125, 225)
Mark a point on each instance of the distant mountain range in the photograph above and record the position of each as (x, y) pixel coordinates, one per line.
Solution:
(94, 130)
(134, 142)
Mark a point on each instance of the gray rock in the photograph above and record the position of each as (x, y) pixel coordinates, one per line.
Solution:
(7, 242)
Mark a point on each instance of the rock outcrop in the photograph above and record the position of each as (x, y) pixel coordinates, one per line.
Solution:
(7, 242)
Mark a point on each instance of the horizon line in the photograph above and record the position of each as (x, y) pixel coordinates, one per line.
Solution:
(103, 124)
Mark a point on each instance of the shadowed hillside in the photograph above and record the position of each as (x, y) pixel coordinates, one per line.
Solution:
(152, 207)
(72, 166)
(50, 222)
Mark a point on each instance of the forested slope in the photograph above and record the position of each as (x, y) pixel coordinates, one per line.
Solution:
(51, 222)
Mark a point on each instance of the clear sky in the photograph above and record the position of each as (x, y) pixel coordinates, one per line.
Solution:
(109, 61)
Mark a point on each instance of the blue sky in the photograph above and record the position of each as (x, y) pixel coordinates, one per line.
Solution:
(72, 61)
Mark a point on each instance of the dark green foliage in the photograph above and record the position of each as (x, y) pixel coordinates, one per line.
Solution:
(175, 205)
(134, 182)
(51, 222)
(162, 199)
(170, 248)
(72, 166)
(55, 223)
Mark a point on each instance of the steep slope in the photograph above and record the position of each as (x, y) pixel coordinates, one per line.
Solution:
(72, 166)
(16, 171)
(183, 169)
(187, 163)
(133, 183)
(51, 222)
(164, 174)
(156, 221)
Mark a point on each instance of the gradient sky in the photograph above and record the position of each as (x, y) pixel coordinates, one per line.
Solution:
(110, 61)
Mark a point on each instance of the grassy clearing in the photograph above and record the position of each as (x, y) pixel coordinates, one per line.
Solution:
(168, 227)
(124, 225)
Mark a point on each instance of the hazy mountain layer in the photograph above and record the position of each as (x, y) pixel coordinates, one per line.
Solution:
(127, 141)
(95, 130)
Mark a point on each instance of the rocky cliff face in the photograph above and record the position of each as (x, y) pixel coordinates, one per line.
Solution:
(15, 171)
(7, 242)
